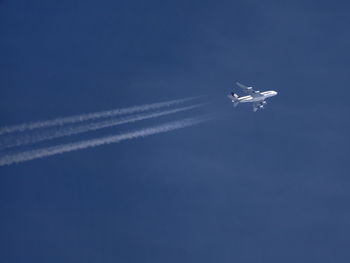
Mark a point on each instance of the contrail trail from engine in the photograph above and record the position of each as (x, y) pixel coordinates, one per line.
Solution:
(67, 131)
(63, 148)
(91, 116)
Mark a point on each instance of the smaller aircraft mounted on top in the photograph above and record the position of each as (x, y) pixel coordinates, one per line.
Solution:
(256, 97)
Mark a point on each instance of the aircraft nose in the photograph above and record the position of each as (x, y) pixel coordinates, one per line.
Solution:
(276, 92)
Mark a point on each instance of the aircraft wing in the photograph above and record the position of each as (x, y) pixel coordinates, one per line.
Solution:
(248, 90)
(258, 105)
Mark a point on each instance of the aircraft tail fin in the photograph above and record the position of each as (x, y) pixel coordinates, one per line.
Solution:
(234, 97)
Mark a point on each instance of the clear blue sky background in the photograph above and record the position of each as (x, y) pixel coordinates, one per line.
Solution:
(266, 187)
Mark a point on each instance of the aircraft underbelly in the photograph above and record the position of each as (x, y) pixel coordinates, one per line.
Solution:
(258, 99)
(252, 99)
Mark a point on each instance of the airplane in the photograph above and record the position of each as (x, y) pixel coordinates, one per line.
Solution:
(256, 97)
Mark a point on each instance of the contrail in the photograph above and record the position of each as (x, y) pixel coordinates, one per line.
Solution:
(59, 149)
(91, 116)
(66, 131)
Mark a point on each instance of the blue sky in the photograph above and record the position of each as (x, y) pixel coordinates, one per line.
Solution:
(265, 187)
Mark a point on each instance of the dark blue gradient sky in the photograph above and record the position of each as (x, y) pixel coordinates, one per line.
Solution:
(266, 187)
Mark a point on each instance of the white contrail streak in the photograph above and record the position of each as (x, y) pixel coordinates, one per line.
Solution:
(63, 148)
(90, 116)
(67, 131)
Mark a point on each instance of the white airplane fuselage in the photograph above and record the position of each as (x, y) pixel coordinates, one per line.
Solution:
(261, 97)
